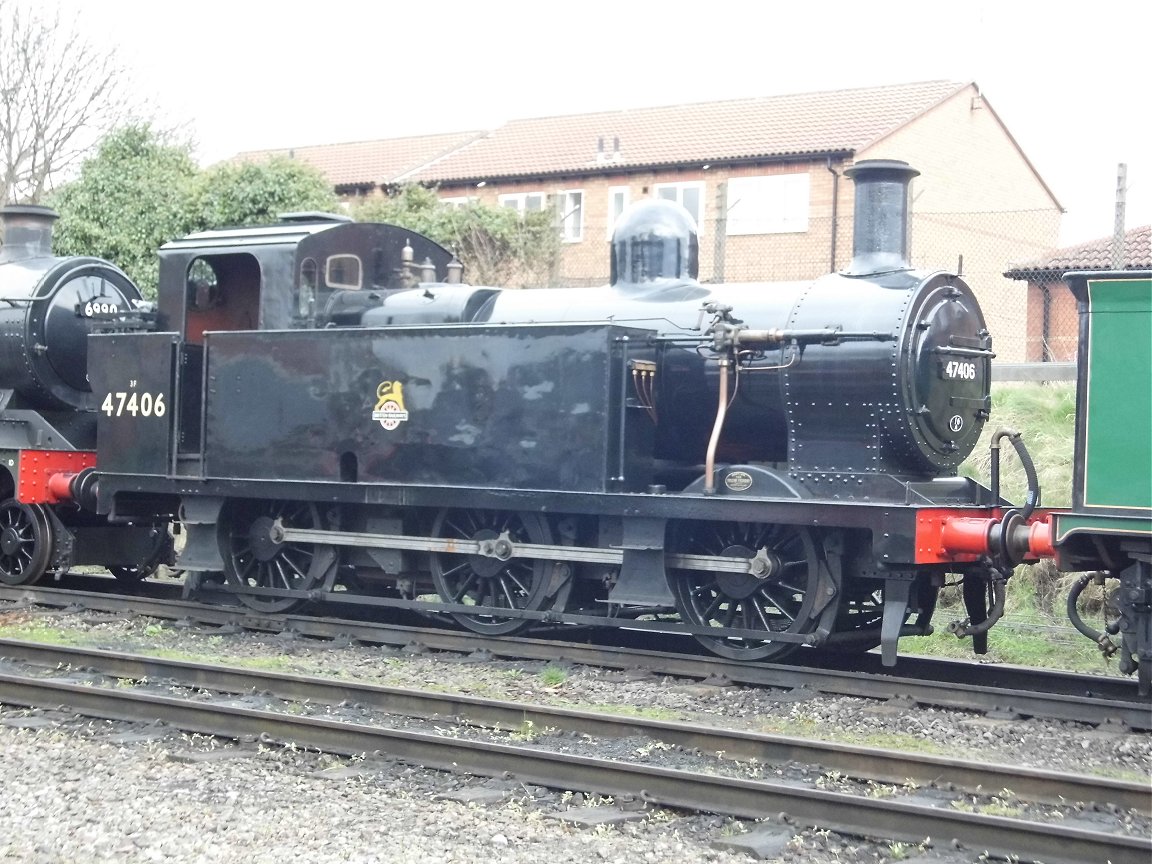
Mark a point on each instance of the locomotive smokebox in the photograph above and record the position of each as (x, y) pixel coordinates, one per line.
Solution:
(25, 231)
(880, 238)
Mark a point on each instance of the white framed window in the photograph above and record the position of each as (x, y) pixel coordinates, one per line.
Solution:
(618, 197)
(459, 200)
(343, 271)
(525, 202)
(690, 195)
(572, 216)
(776, 204)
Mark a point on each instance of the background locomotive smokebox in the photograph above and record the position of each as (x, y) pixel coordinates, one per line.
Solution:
(536, 407)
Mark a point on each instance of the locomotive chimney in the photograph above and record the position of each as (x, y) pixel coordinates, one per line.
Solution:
(880, 221)
(26, 231)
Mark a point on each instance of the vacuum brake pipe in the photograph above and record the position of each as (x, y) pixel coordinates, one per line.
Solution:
(1009, 539)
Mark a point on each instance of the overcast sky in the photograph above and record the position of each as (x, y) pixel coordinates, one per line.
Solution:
(1074, 90)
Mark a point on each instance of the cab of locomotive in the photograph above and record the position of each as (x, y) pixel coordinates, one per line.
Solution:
(310, 270)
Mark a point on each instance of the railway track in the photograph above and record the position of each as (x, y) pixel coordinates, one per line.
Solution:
(884, 766)
(707, 785)
(999, 691)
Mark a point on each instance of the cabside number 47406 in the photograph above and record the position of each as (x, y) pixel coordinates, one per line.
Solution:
(134, 404)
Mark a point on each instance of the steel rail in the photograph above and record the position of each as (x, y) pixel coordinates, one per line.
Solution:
(1004, 698)
(885, 766)
(1053, 843)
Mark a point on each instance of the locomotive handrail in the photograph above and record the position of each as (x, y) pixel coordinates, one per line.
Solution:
(829, 335)
(964, 352)
(62, 278)
(759, 565)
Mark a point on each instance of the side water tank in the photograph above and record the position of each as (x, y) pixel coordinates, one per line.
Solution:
(48, 306)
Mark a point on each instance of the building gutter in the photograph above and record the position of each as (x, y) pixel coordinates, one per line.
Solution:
(620, 170)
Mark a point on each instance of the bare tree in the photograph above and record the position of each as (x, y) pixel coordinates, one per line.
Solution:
(59, 95)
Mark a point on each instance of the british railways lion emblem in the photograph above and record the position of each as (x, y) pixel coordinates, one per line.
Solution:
(390, 411)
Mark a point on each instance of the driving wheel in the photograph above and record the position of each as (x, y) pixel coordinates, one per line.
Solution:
(779, 602)
(254, 557)
(492, 581)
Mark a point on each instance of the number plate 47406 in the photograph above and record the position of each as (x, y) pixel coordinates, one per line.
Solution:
(134, 404)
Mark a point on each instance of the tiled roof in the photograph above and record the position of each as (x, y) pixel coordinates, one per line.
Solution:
(772, 126)
(382, 161)
(1095, 255)
(761, 128)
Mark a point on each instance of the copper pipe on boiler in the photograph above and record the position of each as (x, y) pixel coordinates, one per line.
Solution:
(714, 441)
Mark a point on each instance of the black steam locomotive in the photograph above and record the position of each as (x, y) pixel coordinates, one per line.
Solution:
(329, 413)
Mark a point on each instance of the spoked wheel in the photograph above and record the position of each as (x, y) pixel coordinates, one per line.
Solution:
(25, 542)
(781, 602)
(253, 558)
(161, 552)
(480, 580)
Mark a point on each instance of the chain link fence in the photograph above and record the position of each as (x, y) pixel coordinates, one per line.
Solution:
(1032, 319)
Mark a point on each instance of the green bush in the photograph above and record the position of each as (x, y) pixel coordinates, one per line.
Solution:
(142, 189)
(497, 245)
(1045, 415)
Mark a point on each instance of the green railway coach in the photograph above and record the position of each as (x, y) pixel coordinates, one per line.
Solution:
(1109, 526)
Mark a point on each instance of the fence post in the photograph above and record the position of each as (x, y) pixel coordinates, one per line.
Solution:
(721, 227)
(1118, 230)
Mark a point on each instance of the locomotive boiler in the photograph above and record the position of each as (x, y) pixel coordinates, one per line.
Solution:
(329, 413)
(879, 372)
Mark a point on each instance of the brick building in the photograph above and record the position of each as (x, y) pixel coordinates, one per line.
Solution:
(763, 177)
(1053, 322)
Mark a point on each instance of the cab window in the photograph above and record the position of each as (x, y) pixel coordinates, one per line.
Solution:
(343, 271)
